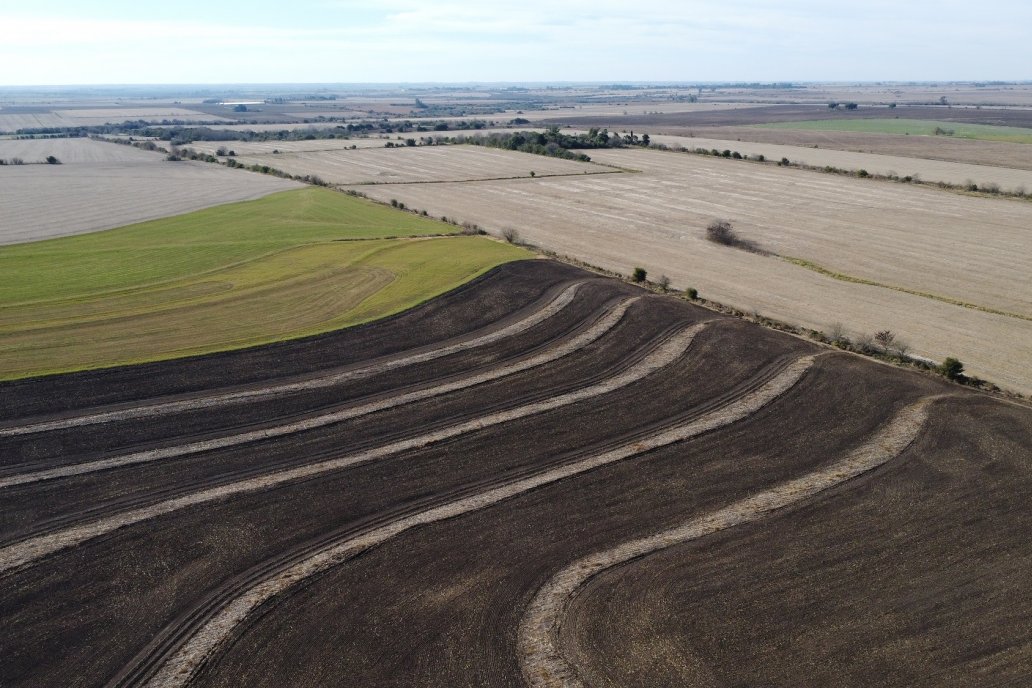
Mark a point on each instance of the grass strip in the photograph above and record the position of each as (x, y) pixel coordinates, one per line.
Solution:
(842, 277)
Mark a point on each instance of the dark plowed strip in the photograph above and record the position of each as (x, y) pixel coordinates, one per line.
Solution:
(27, 551)
(177, 670)
(543, 662)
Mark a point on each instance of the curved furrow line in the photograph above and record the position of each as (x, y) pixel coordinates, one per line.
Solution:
(27, 551)
(274, 463)
(205, 635)
(351, 373)
(165, 643)
(578, 342)
(542, 660)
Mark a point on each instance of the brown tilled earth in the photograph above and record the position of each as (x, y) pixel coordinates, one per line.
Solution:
(438, 599)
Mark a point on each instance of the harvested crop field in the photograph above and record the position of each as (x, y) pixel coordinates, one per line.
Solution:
(435, 499)
(925, 249)
(790, 114)
(266, 147)
(407, 164)
(73, 151)
(12, 120)
(915, 127)
(1006, 178)
(991, 153)
(45, 201)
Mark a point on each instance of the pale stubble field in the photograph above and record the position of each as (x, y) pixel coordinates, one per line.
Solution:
(105, 185)
(975, 250)
(419, 164)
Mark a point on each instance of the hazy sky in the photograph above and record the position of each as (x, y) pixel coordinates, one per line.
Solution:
(220, 41)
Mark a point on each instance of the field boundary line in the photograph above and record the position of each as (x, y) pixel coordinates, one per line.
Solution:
(843, 277)
(542, 660)
(29, 550)
(181, 667)
(328, 379)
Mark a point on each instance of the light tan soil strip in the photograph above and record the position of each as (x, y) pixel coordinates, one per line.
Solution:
(29, 550)
(541, 656)
(148, 410)
(587, 337)
(178, 670)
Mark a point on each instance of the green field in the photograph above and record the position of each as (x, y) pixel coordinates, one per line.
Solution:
(913, 127)
(288, 265)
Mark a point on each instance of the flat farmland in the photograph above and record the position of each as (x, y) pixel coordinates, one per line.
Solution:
(622, 109)
(286, 266)
(446, 498)
(73, 151)
(12, 120)
(913, 127)
(106, 185)
(420, 164)
(1008, 179)
(990, 153)
(267, 147)
(891, 234)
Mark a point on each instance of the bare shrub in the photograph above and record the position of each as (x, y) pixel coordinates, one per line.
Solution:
(836, 333)
(886, 339)
(511, 235)
(663, 282)
(721, 232)
(865, 344)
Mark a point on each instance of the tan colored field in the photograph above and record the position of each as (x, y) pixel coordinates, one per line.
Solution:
(279, 126)
(73, 151)
(10, 122)
(422, 163)
(992, 153)
(928, 170)
(264, 147)
(617, 109)
(45, 201)
(956, 93)
(975, 250)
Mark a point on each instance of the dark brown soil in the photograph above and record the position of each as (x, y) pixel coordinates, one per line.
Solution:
(439, 605)
(915, 575)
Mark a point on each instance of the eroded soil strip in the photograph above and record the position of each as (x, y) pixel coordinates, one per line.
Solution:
(606, 323)
(32, 549)
(561, 301)
(542, 660)
(178, 670)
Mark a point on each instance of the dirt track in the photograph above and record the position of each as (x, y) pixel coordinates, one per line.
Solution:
(263, 587)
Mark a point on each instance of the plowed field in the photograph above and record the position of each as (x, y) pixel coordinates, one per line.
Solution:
(533, 480)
